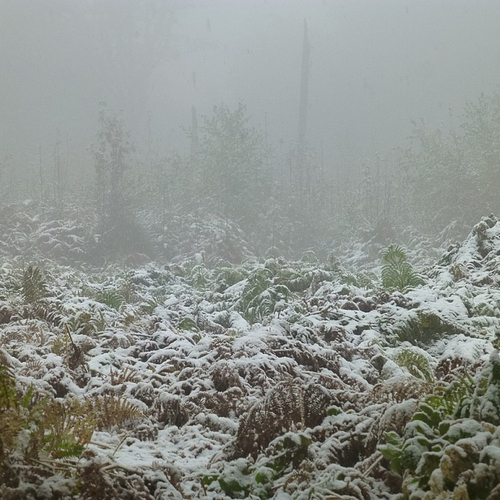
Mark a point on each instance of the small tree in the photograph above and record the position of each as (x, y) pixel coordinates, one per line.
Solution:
(456, 177)
(234, 178)
(115, 219)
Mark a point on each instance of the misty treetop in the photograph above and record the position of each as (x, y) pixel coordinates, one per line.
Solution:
(233, 166)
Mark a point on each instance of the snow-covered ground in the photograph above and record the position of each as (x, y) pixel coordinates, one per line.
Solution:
(272, 379)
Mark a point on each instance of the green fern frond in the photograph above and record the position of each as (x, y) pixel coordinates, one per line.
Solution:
(397, 272)
(228, 276)
(110, 297)
(200, 276)
(416, 363)
(33, 285)
(267, 302)
(257, 283)
(8, 397)
(455, 398)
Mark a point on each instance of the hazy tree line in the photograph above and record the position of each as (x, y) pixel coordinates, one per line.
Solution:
(233, 195)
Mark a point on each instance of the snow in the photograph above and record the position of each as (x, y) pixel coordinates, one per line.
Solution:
(196, 382)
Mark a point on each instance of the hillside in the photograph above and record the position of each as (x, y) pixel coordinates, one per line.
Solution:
(270, 379)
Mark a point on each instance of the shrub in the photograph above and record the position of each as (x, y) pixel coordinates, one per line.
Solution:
(450, 448)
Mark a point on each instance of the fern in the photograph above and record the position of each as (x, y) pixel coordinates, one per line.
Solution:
(261, 295)
(297, 282)
(9, 404)
(34, 286)
(151, 303)
(455, 399)
(109, 411)
(227, 276)
(36, 426)
(423, 327)
(257, 283)
(110, 297)
(397, 272)
(7, 388)
(200, 276)
(267, 303)
(64, 429)
(416, 363)
(124, 376)
(440, 441)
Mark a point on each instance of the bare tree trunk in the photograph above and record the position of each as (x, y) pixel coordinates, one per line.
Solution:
(304, 89)
(302, 167)
(195, 145)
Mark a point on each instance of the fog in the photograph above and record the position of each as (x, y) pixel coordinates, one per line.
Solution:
(97, 93)
(375, 65)
(249, 249)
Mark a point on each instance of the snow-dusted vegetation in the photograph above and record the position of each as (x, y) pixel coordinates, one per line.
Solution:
(267, 379)
(234, 263)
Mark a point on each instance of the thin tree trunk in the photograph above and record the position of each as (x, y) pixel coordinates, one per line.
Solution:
(304, 89)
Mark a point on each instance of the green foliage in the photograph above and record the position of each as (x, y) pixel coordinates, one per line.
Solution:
(33, 285)
(421, 328)
(261, 297)
(227, 276)
(199, 276)
(187, 324)
(397, 272)
(235, 480)
(63, 430)
(113, 298)
(361, 280)
(86, 322)
(449, 449)
(151, 303)
(287, 451)
(455, 399)
(241, 479)
(9, 405)
(416, 363)
(34, 425)
(486, 401)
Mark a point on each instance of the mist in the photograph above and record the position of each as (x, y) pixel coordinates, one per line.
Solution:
(374, 67)
(375, 70)
(249, 249)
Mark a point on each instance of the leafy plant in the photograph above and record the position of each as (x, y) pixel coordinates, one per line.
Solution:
(227, 276)
(111, 297)
(199, 276)
(263, 294)
(151, 303)
(9, 405)
(240, 479)
(421, 328)
(109, 411)
(397, 272)
(65, 429)
(86, 322)
(416, 363)
(35, 426)
(449, 449)
(33, 285)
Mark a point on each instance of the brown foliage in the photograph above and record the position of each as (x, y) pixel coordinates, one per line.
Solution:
(287, 407)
